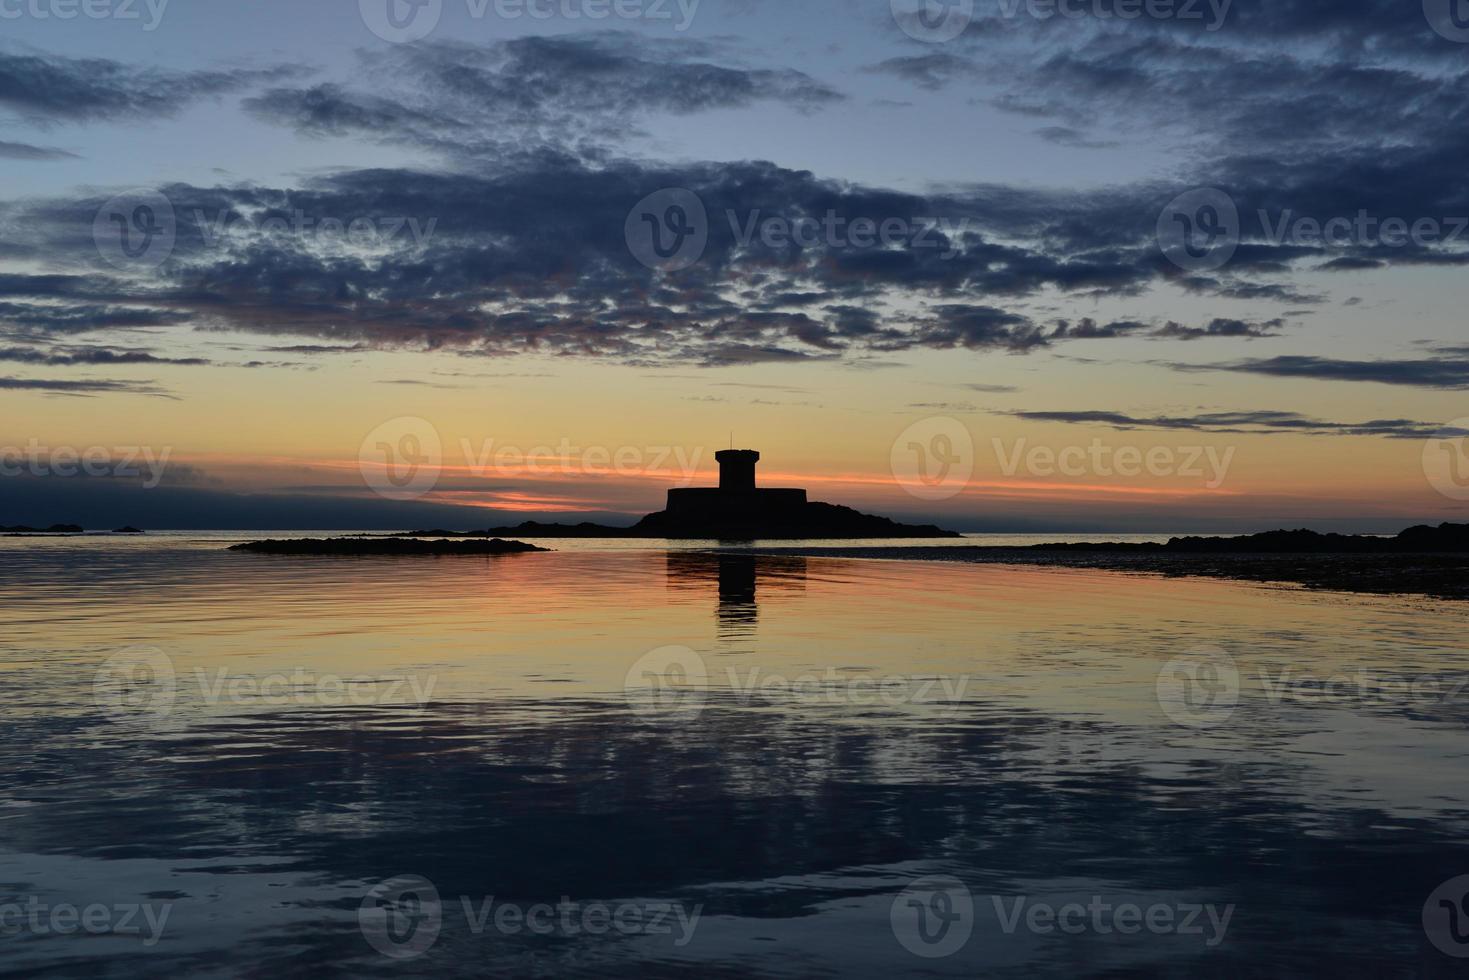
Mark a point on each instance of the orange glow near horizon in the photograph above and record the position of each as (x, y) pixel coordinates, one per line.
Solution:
(835, 437)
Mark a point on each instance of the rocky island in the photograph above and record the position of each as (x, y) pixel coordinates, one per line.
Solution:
(367, 546)
(736, 510)
(53, 529)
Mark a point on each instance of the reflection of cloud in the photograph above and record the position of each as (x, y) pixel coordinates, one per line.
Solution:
(777, 822)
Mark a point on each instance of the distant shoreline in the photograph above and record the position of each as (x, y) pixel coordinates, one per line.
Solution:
(1436, 575)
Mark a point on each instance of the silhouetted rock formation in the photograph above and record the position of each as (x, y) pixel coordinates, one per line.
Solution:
(384, 546)
(1425, 560)
(1419, 539)
(127, 530)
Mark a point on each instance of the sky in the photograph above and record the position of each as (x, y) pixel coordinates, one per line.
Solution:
(1005, 265)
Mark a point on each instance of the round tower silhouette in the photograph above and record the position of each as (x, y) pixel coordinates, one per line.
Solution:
(737, 469)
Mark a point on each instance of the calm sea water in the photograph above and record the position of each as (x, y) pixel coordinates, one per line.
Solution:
(614, 760)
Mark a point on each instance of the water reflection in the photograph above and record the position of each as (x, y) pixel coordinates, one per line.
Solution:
(792, 824)
(737, 580)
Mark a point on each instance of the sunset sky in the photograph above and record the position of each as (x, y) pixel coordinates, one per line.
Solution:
(352, 230)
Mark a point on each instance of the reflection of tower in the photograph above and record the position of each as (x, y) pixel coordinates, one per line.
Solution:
(738, 579)
(737, 610)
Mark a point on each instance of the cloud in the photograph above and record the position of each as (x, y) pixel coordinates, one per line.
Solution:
(1443, 373)
(85, 388)
(1235, 288)
(1073, 138)
(1220, 327)
(26, 151)
(1253, 112)
(527, 250)
(92, 356)
(1246, 423)
(33, 322)
(506, 97)
(320, 349)
(977, 328)
(45, 89)
(1088, 329)
(417, 383)
(530, 255)
(931, 71)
